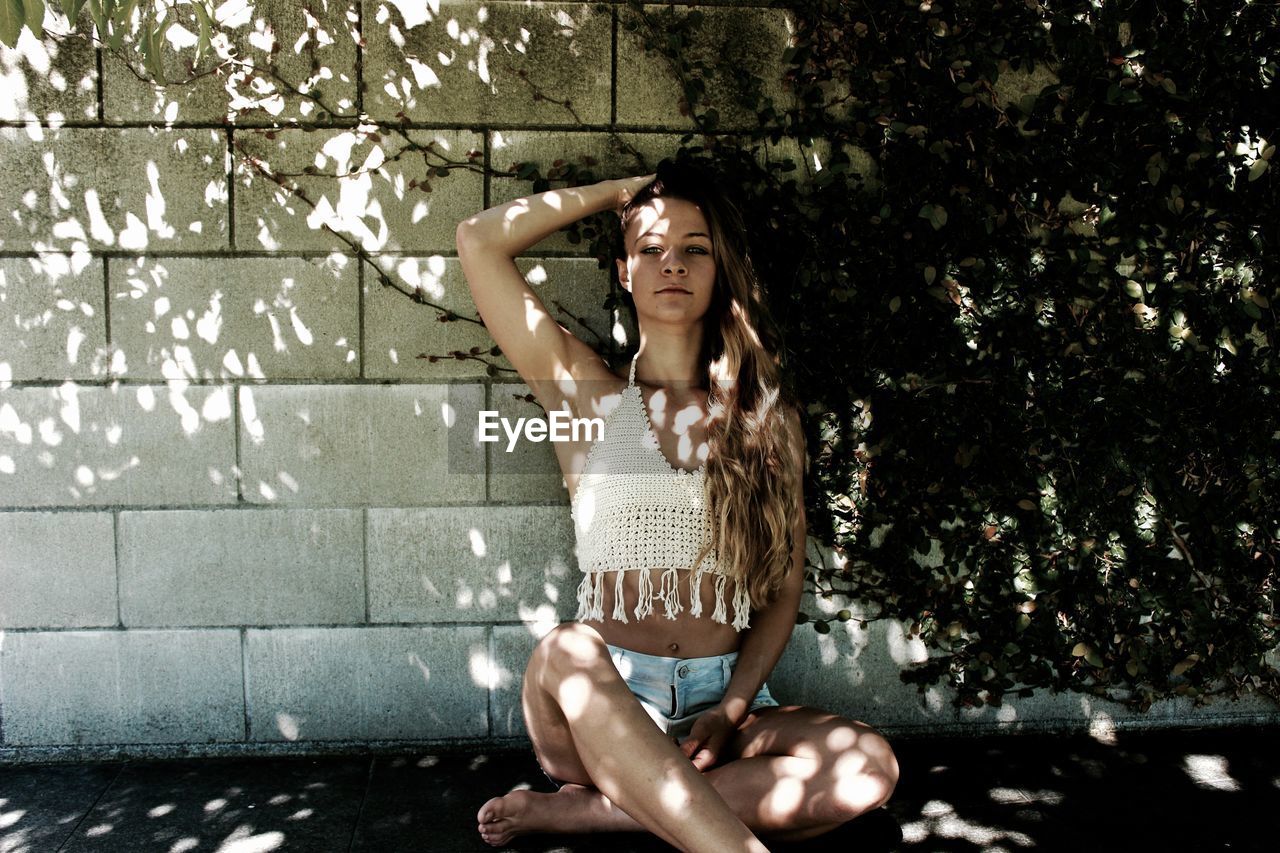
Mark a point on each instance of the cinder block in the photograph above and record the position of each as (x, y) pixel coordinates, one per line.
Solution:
(512, 647)
(51, 79)
(752, 40)
(615, 155)
(367, 683)
(1078, 711)
(399, 332)
(116, 445)
(574, 293)
(855, 671)
(525, 471)
(241, 567)
(461, 62)
(361, 445)
(55, 327)
(114, 188)
(370, 188)
(259, 318)
(252, 29)
(57, 570)
(477, 564)
(87, 687)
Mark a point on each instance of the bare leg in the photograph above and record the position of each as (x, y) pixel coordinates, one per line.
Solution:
(800, 772)
(631, 762)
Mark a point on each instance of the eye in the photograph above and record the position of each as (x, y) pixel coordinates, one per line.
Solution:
(699, 249)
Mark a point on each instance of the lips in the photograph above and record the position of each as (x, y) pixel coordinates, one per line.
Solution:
(674, 289)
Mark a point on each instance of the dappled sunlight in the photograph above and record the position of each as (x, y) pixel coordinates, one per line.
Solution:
(1209, 771)
(362, 187)
(939, 820)
(287, 725)
(425, 273)
(483, 668)
(256, 319)
(540, 618)
(55, 325)
(786, 797)
(572, 694)
(93, 193)
(36, 71)
(904, 649)
(90, 437)
(1017, 796)
(1102, 727)
(675, 797)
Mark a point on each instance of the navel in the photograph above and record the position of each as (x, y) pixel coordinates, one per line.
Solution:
(675, 647)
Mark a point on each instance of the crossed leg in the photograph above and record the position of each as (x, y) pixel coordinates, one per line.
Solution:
(580, 714)
(789, 773)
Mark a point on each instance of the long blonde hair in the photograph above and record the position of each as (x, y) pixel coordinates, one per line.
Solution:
(751, 471)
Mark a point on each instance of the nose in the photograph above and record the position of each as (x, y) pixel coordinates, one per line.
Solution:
(673, 264)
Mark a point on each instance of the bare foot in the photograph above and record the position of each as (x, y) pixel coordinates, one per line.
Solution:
(574, 808)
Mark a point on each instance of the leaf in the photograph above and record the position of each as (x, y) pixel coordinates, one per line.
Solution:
(1255, 171)
(1086, 651)
(10, 22)
(99, 18)
(35, 16)
(1185, 664)
(122, 13)
(929, 274)
(206, 31)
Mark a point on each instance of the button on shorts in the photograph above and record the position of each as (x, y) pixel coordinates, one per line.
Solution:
(676, 691)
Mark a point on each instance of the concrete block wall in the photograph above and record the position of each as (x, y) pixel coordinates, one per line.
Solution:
(237, 511)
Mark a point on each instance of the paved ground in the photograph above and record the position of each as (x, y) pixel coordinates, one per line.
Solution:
(1166, 791)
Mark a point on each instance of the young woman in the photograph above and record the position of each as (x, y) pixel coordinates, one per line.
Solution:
(651, 710)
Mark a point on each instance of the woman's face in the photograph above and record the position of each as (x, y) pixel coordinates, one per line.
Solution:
(670, 270)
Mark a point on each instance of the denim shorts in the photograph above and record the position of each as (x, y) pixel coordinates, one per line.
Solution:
(677, 691)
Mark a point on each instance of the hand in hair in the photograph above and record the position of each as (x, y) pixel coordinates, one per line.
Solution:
(626, 189)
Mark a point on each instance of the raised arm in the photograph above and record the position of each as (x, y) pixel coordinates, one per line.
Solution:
(543, 352)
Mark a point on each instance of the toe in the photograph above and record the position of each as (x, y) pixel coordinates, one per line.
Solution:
(490, 811)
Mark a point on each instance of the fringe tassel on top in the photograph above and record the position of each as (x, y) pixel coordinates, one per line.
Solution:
(741, 606)
(695, 592)
(645, 605)
(591, 597)
(670, 593)
(619, 605)
(720, 615)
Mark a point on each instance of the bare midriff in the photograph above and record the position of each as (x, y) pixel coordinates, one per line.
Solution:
(685, 636)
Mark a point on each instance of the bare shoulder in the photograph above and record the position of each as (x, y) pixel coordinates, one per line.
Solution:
(584, 386)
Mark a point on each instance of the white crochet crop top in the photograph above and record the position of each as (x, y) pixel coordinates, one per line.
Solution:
(634, 511)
